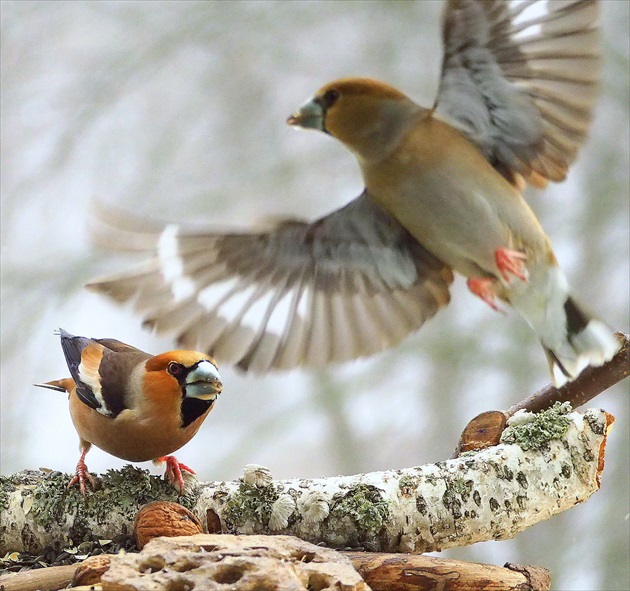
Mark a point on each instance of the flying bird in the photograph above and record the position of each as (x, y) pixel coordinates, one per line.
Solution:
(134, 405)
(443, 194)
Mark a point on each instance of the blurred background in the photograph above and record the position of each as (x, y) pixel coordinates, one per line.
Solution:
(177, 110)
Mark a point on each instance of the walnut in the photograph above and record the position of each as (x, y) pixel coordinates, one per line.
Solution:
(163, 518)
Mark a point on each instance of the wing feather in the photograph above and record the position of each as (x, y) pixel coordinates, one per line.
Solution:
(347, 285)
(520, 80)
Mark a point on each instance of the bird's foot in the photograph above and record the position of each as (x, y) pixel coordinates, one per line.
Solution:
(484, 288)
(173, 473)
(510, 262)
(82, 477)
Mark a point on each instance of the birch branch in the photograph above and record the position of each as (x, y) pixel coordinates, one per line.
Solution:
(546, 464)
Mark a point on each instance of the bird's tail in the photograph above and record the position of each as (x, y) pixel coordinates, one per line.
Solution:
(572, 338)
(64, 385)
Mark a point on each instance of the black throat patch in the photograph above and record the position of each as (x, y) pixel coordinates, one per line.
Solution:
(193, 408)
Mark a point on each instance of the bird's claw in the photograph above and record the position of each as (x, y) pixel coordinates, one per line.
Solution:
(173, 472)
(510, 262)
(82, 477)
(484, 288)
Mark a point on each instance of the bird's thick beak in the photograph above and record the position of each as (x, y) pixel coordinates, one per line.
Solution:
(309, 116)
(203, 382)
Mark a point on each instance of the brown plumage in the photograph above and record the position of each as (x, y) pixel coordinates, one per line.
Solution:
(133, 405)
(443, 193)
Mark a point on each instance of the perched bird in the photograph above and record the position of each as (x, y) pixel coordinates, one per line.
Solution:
(443, 192)
(133, 405)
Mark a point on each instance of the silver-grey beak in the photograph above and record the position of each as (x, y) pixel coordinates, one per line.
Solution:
(204, 382)
(309, 116)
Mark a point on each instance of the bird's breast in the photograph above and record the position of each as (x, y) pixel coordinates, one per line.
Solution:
(444, 192)
(131, 436)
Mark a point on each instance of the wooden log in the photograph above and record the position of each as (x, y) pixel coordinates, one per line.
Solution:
(413, 572)
(51, 578)
(381, 571)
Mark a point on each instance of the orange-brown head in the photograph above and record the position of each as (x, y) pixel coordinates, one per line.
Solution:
(367, 116)
(189, 376)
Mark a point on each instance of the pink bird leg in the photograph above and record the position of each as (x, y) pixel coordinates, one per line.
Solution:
(82, 475)
(173, 473)
(510, 262)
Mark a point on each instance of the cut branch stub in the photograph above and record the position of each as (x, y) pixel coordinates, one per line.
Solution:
(481, 432)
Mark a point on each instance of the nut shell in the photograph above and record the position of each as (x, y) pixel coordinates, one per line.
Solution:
(164, 518)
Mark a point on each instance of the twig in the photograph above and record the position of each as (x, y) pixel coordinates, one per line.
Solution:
(590, 383)
(486, 428)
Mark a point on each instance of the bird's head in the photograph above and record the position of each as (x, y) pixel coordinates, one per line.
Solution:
(195, 374)
(366, 115)
(187, 379)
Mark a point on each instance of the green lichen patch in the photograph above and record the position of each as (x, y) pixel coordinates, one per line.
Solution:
(408, 485)
(50, 503)
(9, 484)
(122, 492)
(6, 487)
(596, 424)
(544, 427)
(457, 492)
(463, 488)
(250, 504)
(456, 489)
(366, 507)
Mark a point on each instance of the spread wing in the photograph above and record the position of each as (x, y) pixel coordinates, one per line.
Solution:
(345, 286)
(520, 80)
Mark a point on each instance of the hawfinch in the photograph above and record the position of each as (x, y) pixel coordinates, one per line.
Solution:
(443, 193)
(133, 405)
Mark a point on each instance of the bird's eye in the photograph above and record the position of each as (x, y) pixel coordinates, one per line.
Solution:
(175, 369)
(330, 97)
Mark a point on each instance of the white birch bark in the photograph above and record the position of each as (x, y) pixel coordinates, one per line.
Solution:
(546, 464)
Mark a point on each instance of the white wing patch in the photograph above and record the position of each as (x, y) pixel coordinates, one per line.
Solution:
(341, 287)
(95, 385)
(172, 266)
